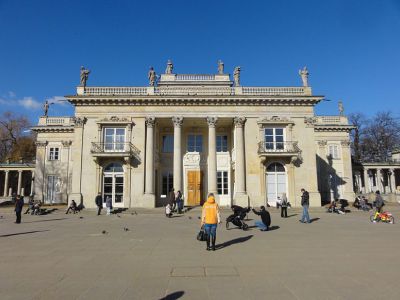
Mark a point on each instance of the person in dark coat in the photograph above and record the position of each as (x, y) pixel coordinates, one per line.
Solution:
(305, 202)
(378, 203)
(265, 222)
(19, 203)
(99, 203)
(171, 199)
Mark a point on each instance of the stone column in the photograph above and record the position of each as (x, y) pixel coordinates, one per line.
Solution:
(366, 181)
(241, 197)
(392, 181)
(32, 183)
(178, 121)
(379, 185)
(19, 182)
(212, 155)
(6, 184)
(149, 187)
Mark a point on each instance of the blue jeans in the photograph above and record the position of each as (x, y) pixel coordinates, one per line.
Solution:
(210, 229)
(261, 225)
(305, 216)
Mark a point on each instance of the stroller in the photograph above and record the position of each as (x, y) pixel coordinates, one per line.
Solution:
(237, 218)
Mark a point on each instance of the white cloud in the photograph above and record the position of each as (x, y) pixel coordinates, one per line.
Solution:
(29, 103)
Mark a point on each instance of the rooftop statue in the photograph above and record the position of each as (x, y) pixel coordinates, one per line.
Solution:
(341, 108)
(169, 68)
(152, 77)
(84, 76)
(46, 108)
(236, 76)
(220, 67)
(304, 76)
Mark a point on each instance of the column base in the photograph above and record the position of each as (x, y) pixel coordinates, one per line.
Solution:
(241, 200)
(149, 201)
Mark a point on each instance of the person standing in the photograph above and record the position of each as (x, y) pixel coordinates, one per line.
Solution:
(19, 203)
(284, 205)
(210, 217)
(99, 203)
(305, 202)
(108, 205)
(171, 199)
(265, 222)
(179, 201)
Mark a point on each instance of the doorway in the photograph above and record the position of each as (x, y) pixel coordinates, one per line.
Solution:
(276, 182)
(195, 188)
(113, 184)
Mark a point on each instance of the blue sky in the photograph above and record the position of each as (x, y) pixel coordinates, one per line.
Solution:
(351, 47)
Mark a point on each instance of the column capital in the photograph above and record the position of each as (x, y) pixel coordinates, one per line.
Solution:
(79, 121)
(239, 121)
(322, 143)
(178, 121)
(66, 144)
(150, 121)
(41, 144)
(20, 171)
(212, 121)
(345, 143)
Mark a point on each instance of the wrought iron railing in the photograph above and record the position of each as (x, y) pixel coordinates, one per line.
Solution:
(115, 148)
(278, 147)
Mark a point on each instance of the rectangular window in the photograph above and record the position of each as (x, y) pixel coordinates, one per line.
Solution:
(167, 183)
(195, 143)
(114, 139)
(222, 143)
(222, 182)
(274, 139)
(334, 151)
(54, 153)
(168, 143)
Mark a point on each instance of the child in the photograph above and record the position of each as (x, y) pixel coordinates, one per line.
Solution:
(108, 205)
(168, 212)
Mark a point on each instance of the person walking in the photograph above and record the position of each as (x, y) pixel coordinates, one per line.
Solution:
(179, 201)
(210, 217)
(108, 205)
(99, 203)
(171, 199)
(19, 203)
(305, 202)
(378, 203)
(284, 205)
(265, 222)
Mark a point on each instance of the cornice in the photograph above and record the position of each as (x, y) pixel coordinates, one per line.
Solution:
(41, 129)
(194, 100)
(342, 128)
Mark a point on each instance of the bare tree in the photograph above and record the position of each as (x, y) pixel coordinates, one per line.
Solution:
(15, 142)
(359, 121)
(381, 136)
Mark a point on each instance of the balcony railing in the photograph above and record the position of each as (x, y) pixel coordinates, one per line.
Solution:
(278, 147)
(115, 149)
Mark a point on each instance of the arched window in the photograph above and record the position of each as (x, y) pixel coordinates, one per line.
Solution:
(114, 167)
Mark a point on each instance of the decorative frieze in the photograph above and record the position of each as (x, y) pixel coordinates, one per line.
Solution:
(310, 121)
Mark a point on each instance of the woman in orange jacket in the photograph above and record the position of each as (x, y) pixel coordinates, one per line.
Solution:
(210, 218)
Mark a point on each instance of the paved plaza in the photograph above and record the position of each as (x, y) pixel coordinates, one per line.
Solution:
(58, 256)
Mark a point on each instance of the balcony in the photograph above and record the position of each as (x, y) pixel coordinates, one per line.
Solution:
(278, 149)
(115, 150)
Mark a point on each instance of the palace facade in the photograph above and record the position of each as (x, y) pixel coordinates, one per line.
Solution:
(198, 134)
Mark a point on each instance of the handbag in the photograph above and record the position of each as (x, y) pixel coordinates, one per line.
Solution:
(202, 235)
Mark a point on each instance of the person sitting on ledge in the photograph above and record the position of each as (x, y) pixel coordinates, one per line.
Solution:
(265, 222)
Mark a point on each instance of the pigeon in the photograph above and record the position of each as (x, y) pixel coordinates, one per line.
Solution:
(126, 229)
(190, 217)
(80, 217)
(198, 218)
(118, 216)
(104, 232)
(1, 217)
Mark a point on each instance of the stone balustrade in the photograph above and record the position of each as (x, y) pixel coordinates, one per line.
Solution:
(195, 77)
(195, 90)
(56, 121)
(331, 120)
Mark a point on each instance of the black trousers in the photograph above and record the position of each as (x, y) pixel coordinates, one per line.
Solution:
(18, 214)
(99, 210)
(283, 212)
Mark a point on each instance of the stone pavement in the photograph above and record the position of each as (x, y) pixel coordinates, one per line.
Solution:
(60, 256)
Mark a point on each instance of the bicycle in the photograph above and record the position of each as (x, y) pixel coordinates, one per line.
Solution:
(385, 217)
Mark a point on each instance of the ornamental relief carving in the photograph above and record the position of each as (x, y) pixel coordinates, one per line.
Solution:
(322, 143)
(79, 121)
(41, 144)
(150, 122)
(310, 121)
(345, 143)
(239, 121)
(193, 159)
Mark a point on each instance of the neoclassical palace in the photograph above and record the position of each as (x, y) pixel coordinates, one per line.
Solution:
(195, 133)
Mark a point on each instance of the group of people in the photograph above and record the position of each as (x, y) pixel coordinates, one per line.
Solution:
(361, 202)
(174, 203)
(99, 203)
(210, 216)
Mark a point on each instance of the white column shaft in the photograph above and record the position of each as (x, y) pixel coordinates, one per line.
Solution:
(392, 181)
(212, 159)
(6, 184)
(177, 158)
(19, 182)
(149, 187)
(240, 168)
(32, 183)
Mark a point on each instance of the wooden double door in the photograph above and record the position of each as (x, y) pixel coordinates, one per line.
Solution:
(195, 187)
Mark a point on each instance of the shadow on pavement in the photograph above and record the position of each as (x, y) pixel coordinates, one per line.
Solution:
(314, 220)
(234, 241)
(118, 210)
(293, 215)
(19, 233)
(176, 216)
(173, 296)
(46, 220)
